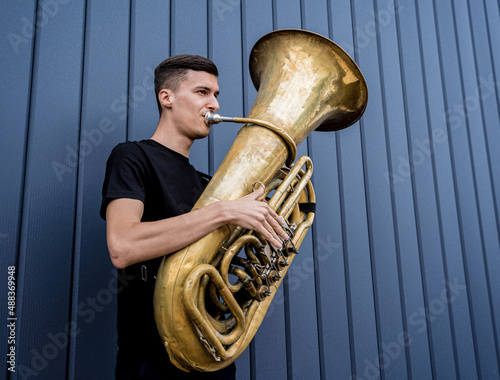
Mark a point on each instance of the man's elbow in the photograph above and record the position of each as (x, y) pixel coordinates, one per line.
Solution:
(118, 262)
(118, 254)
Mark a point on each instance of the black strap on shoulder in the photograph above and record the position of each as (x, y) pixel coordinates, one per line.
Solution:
(205, 178)
(203, 175)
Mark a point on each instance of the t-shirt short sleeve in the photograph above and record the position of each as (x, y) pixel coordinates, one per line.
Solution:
(126, 171)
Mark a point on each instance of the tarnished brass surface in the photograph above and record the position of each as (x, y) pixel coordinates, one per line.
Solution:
(305, 82)
(308, 81)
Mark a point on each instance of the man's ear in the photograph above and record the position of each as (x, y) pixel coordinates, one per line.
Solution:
(165, 97)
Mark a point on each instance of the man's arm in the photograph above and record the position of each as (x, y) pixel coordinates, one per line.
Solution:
(131, 241)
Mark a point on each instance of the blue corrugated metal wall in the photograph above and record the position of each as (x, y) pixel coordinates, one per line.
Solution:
(400, 276)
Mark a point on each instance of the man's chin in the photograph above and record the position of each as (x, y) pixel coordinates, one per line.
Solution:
(202, 134)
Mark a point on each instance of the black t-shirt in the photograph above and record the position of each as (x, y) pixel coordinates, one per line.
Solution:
(161, 178)
(168, 185)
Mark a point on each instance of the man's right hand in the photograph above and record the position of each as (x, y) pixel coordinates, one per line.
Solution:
(254, 214)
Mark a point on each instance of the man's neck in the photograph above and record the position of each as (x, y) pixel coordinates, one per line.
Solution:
(172, 140)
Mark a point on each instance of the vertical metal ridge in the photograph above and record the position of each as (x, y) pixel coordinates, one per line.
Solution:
(288, 330)
(436, 192)
(22, 238)
(397, 242)
(274, 7)
(475, 185)
(369, 223)
(393, 210)
(172, 28)
(490, 44)
(314, 239)
(130, 71)
(435, 179)
(211, 137)
(77, 226)
(352, 346)
(453, 171)
(414, 196)
(496, 201)
(491, 176)
(20, 258)
(476, 199)
(245, 54)
(345, 250)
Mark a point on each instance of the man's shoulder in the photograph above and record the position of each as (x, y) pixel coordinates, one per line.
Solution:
(129, 149)
(128, 146)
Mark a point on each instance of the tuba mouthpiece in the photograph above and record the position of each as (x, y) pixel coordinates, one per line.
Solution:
(213, 118)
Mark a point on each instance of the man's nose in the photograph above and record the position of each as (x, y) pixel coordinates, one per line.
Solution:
(213, 104)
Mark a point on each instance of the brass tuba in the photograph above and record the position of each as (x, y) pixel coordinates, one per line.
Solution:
(211, 297)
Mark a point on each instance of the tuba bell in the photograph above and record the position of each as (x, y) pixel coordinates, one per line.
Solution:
(211, 297)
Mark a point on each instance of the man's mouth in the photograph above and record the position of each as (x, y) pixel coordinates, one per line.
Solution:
(205, 120)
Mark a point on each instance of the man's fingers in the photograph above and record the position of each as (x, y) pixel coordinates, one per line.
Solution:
(272, 237)
(270, 224)
(273, 226)
(277, 223)
(257, 193)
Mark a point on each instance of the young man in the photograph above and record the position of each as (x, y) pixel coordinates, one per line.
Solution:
(148, 191)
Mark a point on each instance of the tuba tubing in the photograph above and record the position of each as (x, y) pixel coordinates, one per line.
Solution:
(305, 82)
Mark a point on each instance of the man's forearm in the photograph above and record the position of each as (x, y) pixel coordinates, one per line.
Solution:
(131, 241)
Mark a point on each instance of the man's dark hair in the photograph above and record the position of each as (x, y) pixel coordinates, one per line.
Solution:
(172, 71)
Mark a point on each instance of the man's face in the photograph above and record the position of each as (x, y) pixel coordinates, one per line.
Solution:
(196, 95)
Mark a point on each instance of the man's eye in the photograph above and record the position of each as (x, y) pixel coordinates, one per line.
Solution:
(202, 92)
